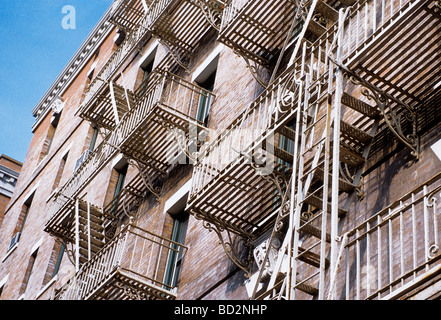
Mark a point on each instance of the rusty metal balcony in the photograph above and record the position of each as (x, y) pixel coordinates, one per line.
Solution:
(135, 265)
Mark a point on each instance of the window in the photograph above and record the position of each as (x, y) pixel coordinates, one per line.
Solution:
(119, 37)
(146, 69)
(3, 283)
(28, 272)
(50, 134)
(60, 171)
(54, 260)
(286, 144)
(121, 178)
(116, 185)
(21, 221)
(205, 99)
(94, 138)
(205, 77)
(174, 261)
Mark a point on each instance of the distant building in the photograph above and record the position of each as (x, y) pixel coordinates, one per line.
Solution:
(9, 172)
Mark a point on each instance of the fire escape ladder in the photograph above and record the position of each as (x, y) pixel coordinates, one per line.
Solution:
(333, 151)
(317, 17)
(89, 232)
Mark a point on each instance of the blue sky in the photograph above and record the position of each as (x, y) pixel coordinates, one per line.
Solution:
(34, 49)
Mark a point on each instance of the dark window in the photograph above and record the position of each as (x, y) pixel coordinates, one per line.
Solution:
(205, 99)
(94, 138)
(174, 262)
(121, 177)
(21, 221)
(28, 272)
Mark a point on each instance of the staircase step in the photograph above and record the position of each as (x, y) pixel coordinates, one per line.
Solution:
(98, 242)
(348, 2)
(307, 288)
(311, 258)
(316, 28)
(317, 202)
(353, 134)
(343, 185)
(327, 11)
(93, 248)
(95, 213)
(93, 218)
(350, 157)
(359, 106)
(98, 234)
(84, 253)
(315, 232)
(83, 259)
(93, 225)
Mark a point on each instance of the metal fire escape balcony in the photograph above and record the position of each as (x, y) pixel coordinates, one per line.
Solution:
(383, 79)
(180, 24)
(108, 106)
(128, 14)
(129, 17)
(154, 135)
(106, 102)
(239, 183)
(397, 48)
(392, 51)
(135, 265)
(396, 250)
(257, 29)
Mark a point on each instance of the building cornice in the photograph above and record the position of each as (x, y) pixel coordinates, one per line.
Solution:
(73, 67)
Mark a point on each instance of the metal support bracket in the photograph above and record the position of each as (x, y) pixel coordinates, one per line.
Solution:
(384, 102)
(147, 179)
(231, 245)
(175, 53)
(212, 10)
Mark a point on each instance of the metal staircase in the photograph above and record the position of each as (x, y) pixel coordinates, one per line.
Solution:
(89, 231)
(335, 136)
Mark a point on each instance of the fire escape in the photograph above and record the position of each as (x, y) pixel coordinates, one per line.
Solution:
(353, 71)
(180, 24)
(137, 124)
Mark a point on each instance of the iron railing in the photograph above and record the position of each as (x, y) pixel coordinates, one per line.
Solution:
(134, 256)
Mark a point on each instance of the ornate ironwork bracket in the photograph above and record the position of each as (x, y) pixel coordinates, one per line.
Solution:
(147, 179)
(212, 10)
(256, 70)
(131, 292)
(175, 53)
(267, 253)
(393, 119)
(230, 246)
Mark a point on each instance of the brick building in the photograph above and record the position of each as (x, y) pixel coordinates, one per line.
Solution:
(236, 150)
(9, 172)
